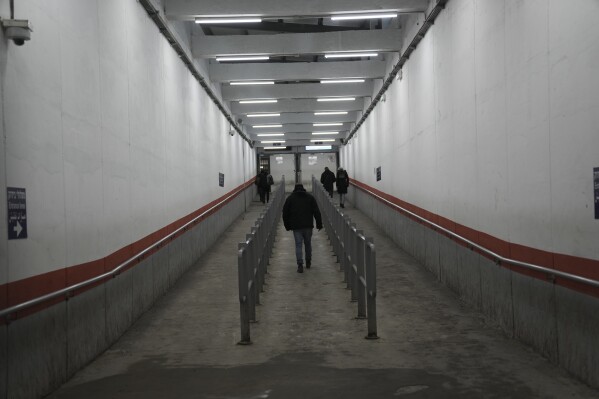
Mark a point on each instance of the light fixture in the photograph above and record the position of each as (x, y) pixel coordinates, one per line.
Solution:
(272, 141)
(271, 134)
(328, 124)
(261, 115)
(336, 99)
(243, 20)
(363, 16)
(319, 133)
(350, 55)
(343, 81)
(331, 113)
(258, 82)
(320, 140)
(318, 147)
(265, 126)
(243, 58)
(275, 148)
(257, 101)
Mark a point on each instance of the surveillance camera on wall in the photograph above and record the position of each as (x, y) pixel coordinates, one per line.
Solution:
(232, 132)
(17, 30)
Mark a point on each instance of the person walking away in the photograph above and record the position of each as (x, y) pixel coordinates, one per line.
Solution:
(327, 179)
(342, 182)
(299, 212)
(270, 181)
(262, 183)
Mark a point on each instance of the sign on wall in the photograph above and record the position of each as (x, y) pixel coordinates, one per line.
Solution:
(221, 179)
(378, 174)
(596, 192)
(17, 213)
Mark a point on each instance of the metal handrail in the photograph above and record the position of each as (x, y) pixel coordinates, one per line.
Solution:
(501, 259)
(356, 255)
(67, 290)
(253, 256)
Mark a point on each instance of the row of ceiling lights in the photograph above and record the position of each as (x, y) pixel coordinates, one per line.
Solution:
(332, 55)
(245, 20)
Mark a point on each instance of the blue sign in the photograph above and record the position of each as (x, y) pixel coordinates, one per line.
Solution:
(17, 213)
(596, 196)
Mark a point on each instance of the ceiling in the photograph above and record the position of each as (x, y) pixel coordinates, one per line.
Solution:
(296, 36)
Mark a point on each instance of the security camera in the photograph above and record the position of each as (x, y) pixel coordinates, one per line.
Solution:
(17, 30)
(232, 132)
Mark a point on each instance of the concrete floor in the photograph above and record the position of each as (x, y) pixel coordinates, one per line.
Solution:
(307, 342)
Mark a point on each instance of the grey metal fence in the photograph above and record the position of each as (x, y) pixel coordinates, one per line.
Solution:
(355, 254)
(252, 260)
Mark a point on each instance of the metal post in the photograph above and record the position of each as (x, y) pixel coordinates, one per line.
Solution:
(360, 276)
(254, 299)
(244, 311)
(371, 288)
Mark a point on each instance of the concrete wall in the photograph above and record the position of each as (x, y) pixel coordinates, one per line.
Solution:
(493, 126)
(48, 347)
(113, 140)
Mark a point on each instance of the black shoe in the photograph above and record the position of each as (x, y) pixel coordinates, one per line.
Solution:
(300, 268)
(308, 264)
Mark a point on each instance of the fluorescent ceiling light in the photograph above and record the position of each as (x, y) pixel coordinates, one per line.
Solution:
(243, 58)
(343, 81)
(275, 148)
(271, 134)
(350, 55)
(272, 141)
(243, 20)
(330, 133)
(318, 147)
(363, 16)
(257, 101)
(261, 115)
(320, 140)
(336, 99)
(331, 113)
(266, 126)
(258, 82)
(328, 124)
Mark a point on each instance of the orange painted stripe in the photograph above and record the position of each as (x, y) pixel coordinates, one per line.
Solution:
(582, 267)
(20, 291)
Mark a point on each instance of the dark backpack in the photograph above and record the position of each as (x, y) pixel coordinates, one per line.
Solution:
(270, 180)
(262, 180)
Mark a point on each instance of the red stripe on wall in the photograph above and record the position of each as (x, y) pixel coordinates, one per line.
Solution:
(20, 291)
(582, 267)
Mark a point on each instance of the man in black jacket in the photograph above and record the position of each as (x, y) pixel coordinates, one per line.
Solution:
(327, 179)
(299, 211)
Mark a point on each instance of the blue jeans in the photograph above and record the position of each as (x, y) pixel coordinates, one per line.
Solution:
(305, 236)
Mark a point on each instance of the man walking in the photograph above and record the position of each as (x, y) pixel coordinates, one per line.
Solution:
(327, 179)
(342, 184)
(299, 212)
(263, 186)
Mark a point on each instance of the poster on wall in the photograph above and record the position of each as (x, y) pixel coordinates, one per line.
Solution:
(221, 179)
(596, 195)
(378, 174)
(17, 213)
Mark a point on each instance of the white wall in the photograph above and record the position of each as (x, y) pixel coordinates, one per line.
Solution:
(108, 131)
(495, 124)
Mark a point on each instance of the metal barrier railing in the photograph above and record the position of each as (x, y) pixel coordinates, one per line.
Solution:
(252, 260)
(68, 292)
(355, 254)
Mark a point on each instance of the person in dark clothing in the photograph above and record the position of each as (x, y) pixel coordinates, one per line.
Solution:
(342, 182)
(263, 186)
(327, 179)
(299, 212)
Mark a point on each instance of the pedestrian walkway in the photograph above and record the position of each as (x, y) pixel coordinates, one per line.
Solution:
(307, 342)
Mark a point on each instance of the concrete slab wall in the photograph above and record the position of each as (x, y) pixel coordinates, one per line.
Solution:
(40, 352)
(558, 322)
